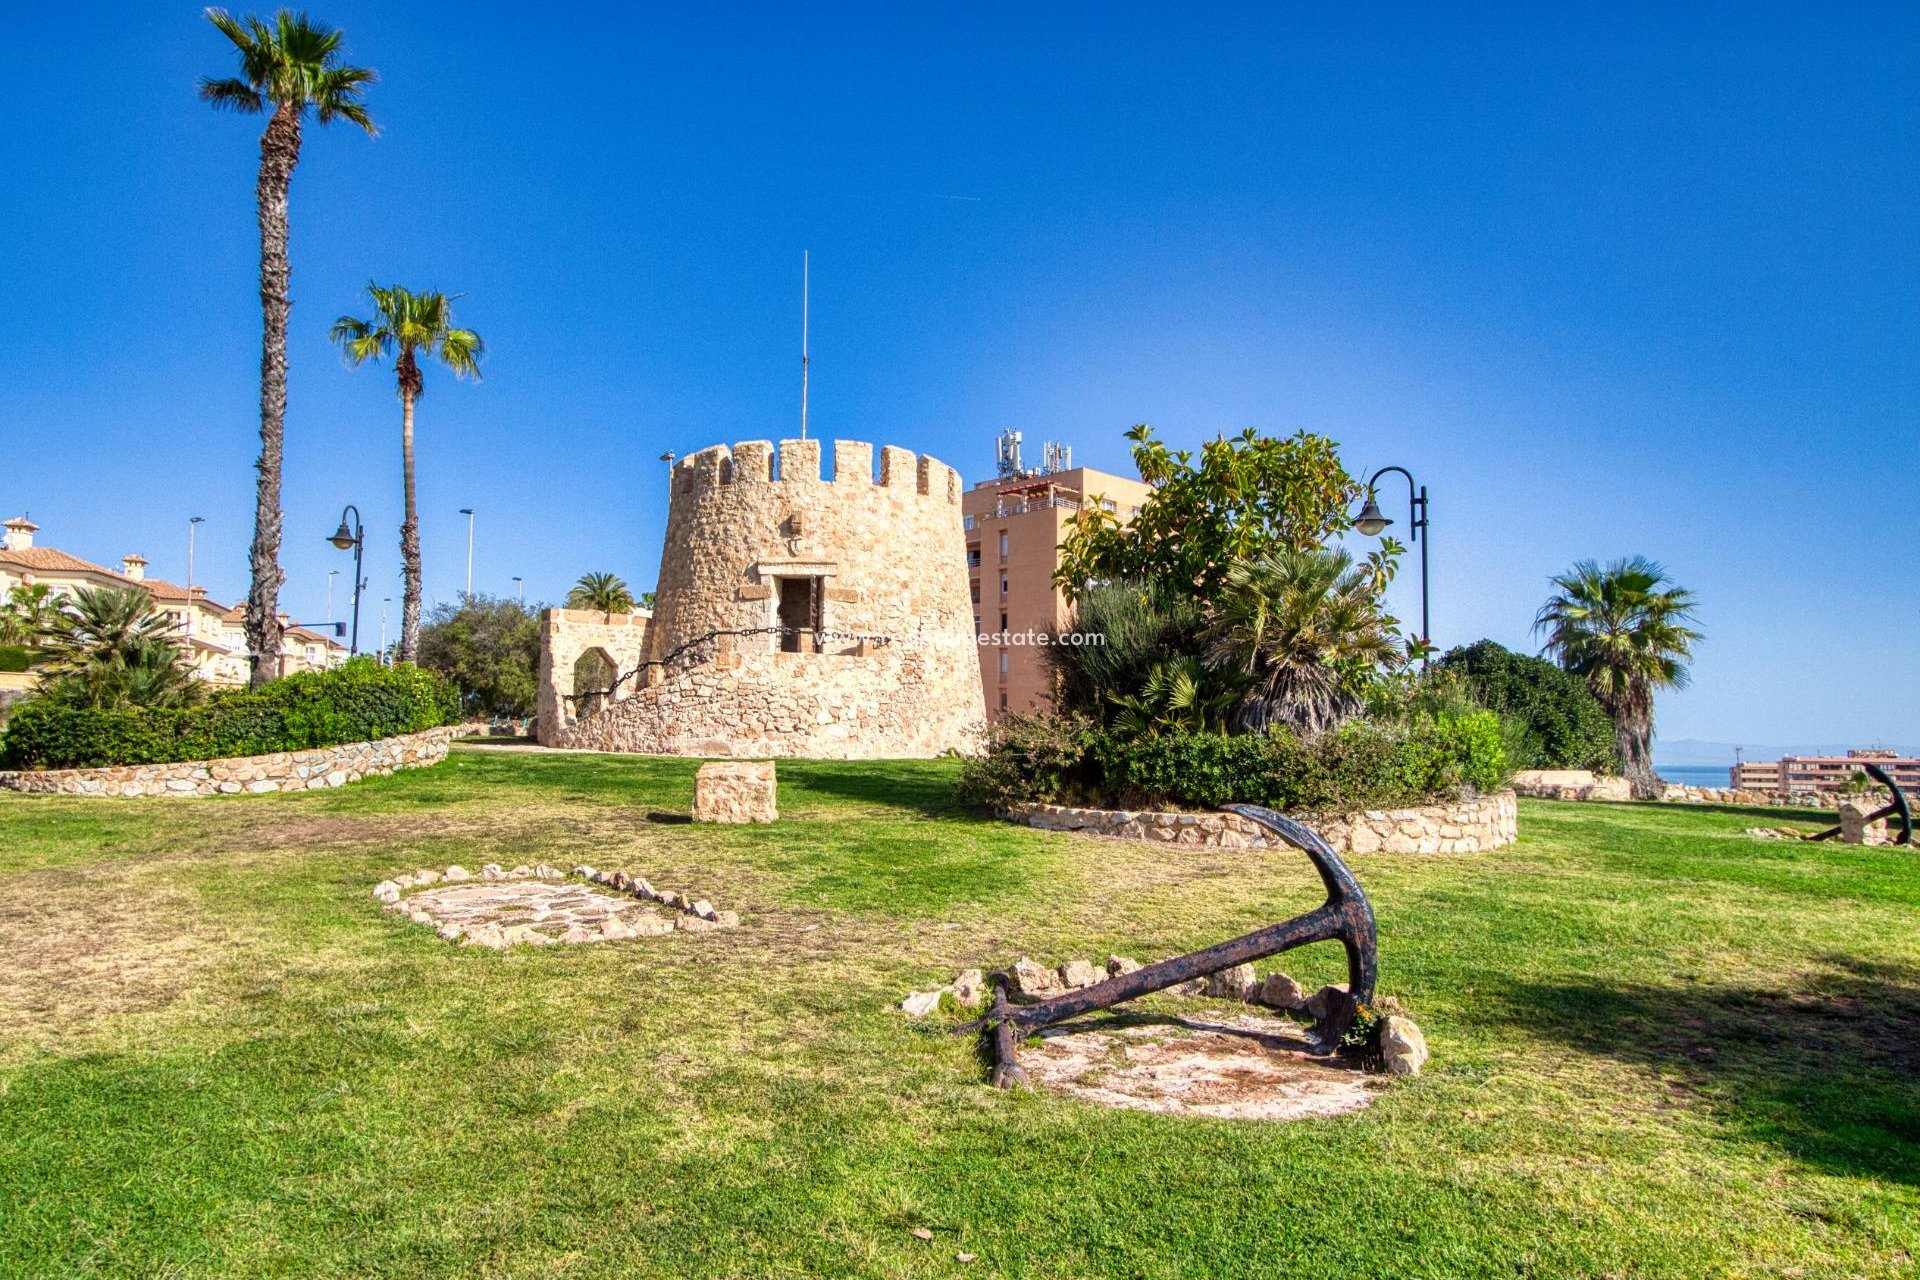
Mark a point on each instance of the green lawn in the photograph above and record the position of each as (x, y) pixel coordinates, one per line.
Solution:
(1662, 1047)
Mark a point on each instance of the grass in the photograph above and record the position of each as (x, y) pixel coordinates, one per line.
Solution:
(1662, 1047)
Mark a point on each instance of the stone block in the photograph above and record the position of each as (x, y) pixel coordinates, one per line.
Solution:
(729, 791)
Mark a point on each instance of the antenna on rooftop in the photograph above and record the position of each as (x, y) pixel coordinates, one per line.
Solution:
(806, 265)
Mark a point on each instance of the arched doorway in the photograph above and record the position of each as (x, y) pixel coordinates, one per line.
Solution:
(593, 676)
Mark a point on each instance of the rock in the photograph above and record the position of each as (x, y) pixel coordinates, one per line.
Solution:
(1854, 827)
(970, 988)
(727, 919)
(451, 932)
(1191, 987)
(652, 926)
(1403, 1047)
(1032, 979)
(1075, 974)
(406, 882)
(920, 1003)
(521, 872)
(492, 871)
(733, 791)
(669, 898)
(580, 933)
(1316, 1005)
(426, 877)
(1237, 983)
(532, 937)
(1117, 965)
(548, 873)
(456, 873)
(614, 928)
(601, 877)
(694, 924)
(620, 880)
(583, 872)
(1278, 991)
(420, 917)
(487, 935)
(387, 891)
(641, 889)
(703, 909)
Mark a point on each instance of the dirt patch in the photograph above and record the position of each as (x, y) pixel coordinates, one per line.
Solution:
(1241, 1067)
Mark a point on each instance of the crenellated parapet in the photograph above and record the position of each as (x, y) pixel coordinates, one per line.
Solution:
(798, 462)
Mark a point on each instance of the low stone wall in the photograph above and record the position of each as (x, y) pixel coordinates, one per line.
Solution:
(1676, 793)
(1570, 784)
(283, 771)
(1465, 826)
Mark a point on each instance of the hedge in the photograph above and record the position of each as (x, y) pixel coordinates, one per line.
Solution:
(1360, 765)
(359, 701)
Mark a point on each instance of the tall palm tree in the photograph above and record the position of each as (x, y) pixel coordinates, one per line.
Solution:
(27, 612)
(603, 591)
(406, 326)
(1623, 627)
(109, 647)
(287, 67)
(1305, 629)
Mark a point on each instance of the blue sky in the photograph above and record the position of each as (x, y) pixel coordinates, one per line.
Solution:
(1627, 279)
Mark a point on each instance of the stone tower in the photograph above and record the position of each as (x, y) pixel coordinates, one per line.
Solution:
(797, 615)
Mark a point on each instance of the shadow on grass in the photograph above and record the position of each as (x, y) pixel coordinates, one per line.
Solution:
(1771, 814)
(923, 786)
(1827, 1069)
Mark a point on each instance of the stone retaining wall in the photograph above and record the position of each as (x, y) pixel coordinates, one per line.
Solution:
(283, 771)
(1465, 826)
(1676, 793)
(1570, 784)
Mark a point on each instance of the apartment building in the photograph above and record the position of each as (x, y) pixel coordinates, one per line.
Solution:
(213, 634)
(1014, 526)
(1825, 773)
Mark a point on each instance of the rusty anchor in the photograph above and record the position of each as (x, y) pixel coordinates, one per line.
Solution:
(1899, 806)
(1346, 916)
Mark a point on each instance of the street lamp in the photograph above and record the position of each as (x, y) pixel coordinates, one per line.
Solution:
(1372, 521)
(468, 513)
(351, 538)
(520, 587)
(331, 575)
(193, 522)
(384, 602)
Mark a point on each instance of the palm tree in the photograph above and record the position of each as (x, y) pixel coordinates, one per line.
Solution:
(1623, 627)
(407, 325)
(1305, 629)
(289, 66)
(108, 647)
(603, 591)
(27, 613)
(1180, 693)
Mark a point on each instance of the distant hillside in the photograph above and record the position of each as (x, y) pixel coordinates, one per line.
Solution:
(1690, 751)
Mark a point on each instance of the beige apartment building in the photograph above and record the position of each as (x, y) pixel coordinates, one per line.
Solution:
(1824, 773)
(1014, 524)
(213, 633)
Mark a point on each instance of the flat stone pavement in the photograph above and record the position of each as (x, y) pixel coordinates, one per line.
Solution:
(505, 912)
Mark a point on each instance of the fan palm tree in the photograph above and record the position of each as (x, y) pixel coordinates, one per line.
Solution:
(1180, 693)
(407, 326)
(603, 591)
(1623, 628)
(28, 611)
(1305, 629)
(108, 647)
(288, 66)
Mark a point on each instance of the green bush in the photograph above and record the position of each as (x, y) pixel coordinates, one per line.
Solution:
(357, 702)
(1563, 726)
(15, 657)
(1360, 765)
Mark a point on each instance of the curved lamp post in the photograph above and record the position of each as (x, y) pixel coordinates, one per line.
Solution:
(1372, 521)
(352, 538)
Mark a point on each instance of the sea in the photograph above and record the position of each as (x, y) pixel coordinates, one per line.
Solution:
(1694, 775)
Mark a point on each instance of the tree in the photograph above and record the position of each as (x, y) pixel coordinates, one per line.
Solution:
(1247, 497)
(29, 610)
(489, 647)
(1562, 725)
(606, 592)
(1305, 629)
(1623, 629)
(405, 326)
(1140, 635)
(288, 67)
(109, 648)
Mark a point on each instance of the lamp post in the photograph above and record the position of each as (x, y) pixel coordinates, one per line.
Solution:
(352, 538)
(1372, 521)
(520, 589)
(193, 522)
(468, 513)
(384, 602)
(331, 575)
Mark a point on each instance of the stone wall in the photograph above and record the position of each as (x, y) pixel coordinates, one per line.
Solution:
(1676, 793)
(567, 635)
(283, 771)
(1570, 784)
(891, 667)
(1465, 826)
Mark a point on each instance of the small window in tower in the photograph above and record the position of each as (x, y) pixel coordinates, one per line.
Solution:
(1003, 624)
(1003, 699)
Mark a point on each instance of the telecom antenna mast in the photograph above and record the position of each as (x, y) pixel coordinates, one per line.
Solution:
(805, 270)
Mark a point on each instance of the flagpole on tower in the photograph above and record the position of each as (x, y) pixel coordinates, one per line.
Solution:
(805, 270)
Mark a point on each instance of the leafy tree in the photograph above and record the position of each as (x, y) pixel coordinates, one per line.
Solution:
(29, 610)
(489, 647)
(109, 648)
(1244, 498)
(287, 68)
(1306, 630)
(606, 592)
(1623, 629)
(407, 326)
(1562, 725)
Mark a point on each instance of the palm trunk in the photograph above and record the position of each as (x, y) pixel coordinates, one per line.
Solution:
(409, 532)
(279, 153)
(1633, 736)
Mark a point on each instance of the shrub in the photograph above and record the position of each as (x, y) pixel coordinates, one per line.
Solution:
(15, 657)
(1563, 724)
(1029, 759)
(357, 702)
